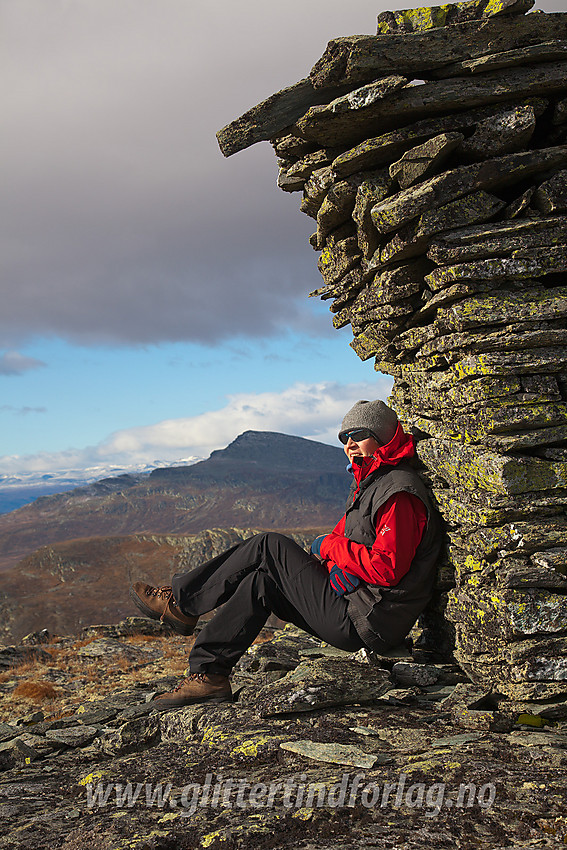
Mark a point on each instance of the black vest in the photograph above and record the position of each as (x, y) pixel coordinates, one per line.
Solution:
(383, 616)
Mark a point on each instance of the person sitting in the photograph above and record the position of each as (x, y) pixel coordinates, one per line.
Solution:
(362, 585)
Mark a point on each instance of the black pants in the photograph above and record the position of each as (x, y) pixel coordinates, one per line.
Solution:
(268, 573)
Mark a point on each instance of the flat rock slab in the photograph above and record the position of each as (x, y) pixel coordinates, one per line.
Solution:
(530, 306)
(391, 286)
(527, 536)
(555, 559)
(322, 683)
(109, 647)
(508, 132)
(7, 732)
(551, 196)
(327, 652)
(524, 264)
(508, 420)
(332, 753)
(387, 147)
(499, 239)
(130, 626)
(367, 95)
(431, 17)
(292, 178)
(406, 673)
(16, 752)
(521, 573)
(360, 58)
(73, 736)
(335, 262)
(325, 126)
(39, 744)
(282, 652)
(457, 740)
(11, 656)
(537, 739)
(94, 716)
(414, 238)
(520, 205)
(274, 114)
(537, 611)
(543, 669)
(366, 731)
(399, 209)
(472, 468)
(547, 51)
(535, 361)
(131, 736)
(420, 162)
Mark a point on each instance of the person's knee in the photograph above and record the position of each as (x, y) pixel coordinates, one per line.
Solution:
(260, 537)
(270, 539)
(276, 537)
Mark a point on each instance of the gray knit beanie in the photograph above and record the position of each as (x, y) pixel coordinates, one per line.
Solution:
(373, 415)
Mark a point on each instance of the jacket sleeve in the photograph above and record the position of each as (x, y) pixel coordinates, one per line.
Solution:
(400, 525)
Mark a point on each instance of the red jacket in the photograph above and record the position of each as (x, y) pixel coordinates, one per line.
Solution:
(400, 524)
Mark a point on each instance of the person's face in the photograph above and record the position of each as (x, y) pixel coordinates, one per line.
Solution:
(363, 448)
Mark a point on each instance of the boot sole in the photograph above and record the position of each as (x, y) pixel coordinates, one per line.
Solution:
(177, 626)
(159, 703)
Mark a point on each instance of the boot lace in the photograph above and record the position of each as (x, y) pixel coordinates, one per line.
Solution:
(190, 678)
(165, 593)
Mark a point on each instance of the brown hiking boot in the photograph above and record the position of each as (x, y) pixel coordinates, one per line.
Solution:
(159, 604)
(197, 687)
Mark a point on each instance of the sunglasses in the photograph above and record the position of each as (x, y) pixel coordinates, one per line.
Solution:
(357, 436)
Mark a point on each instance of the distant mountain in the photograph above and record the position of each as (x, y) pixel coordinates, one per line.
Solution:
(264, 479)
(17, 490)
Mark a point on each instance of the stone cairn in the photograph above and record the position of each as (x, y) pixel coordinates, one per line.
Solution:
(433, 157)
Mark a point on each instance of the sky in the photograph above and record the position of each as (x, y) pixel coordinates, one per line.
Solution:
(154, 293)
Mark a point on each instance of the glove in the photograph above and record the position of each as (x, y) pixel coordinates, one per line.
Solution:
(316, 545)
(341, 581)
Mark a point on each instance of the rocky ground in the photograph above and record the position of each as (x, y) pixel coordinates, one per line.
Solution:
(320, 749)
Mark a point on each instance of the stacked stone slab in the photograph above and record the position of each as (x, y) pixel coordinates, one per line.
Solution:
(433, 158)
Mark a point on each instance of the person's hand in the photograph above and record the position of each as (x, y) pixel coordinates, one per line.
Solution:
(342, 581)
(316, 547)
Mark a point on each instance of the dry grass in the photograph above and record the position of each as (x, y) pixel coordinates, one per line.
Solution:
(84, 679)
(139, 639)
(81, 679)
(19, 669)
(36, 692)
(66, 652)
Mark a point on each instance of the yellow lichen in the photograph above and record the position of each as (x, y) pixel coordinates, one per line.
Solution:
(93, 777)
(214, 735)
(527, 719)
(250, 748)
(208, 839)
(303, 814)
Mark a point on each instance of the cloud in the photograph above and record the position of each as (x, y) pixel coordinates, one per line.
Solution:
(124, 222)
(310, 410)
(21, 411)
(313, 411)
(14, 363)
